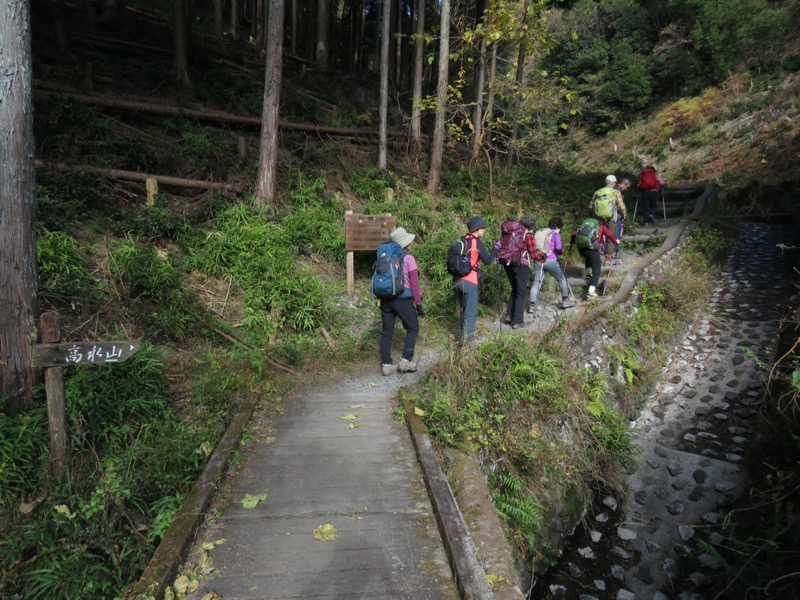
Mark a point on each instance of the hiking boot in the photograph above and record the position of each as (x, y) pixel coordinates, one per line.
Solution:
(566, 303)
(518, 325)
(591, 294)
(406, 366)
(506, 320)
(387, 369)
(531, 310)
(587, 274)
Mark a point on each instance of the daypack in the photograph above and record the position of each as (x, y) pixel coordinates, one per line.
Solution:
(543, 238)
(586, 234)
(387, 277)
(459, 263)
(648, 180)
(604, 205)
(512, 244)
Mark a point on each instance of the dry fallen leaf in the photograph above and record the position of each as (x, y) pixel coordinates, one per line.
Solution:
(354, 425)
(350, 416)
(212, 596)
(212, 545)
(419, 412)
(324, 533)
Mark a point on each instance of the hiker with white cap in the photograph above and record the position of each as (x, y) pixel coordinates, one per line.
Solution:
(407, 305)
(466, 287)
(607, 204)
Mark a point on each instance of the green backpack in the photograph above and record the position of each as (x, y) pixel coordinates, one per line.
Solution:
(604, 205)
(586, 234)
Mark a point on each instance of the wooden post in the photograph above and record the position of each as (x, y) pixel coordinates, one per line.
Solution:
(350, 268)
(151, 185)
(56, 400)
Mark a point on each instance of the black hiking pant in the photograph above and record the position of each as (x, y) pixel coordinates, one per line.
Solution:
(390, 310)
(592, 260)
(518, 278)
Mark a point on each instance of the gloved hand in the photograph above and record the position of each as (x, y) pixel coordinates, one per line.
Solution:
(420, 311)
(497, 245)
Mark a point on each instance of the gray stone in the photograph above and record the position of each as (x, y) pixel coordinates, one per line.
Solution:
(667, 432)
(679, 483)
(733, 383)
(595, 535)
(745, 413)
(587, 597)
(661, 493)
(618, 572)
(707, 398)
(626, 534)
(648, 480)
(642, 497)
(601, 518)
(712, 518)
(708, 561)
(706, 435)
(702, 411)
(689, 596)
(611, 502)
(696, 493)
(587, 553)
(669, 567)
(733, 457)
(699, 476)
(558, 591)
(653, 525)
(600, 584)
(721, 416)
(731, 395)
(574, 570)
(724, 486)
(716, 538)
(691, 438)
(685, 532)
(660, 451)
(653, 464)
(738, 430)
(682, 550)
(675, 468)
(644, 574)
(653, 546)
(675, 508)
(625, 595)
(660, 596)
(737, 359)
(621, 553)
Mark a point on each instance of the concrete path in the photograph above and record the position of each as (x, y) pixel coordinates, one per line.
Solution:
(358, 475)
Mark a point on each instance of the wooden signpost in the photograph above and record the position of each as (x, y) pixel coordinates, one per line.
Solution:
(53, 357)
(364, 232)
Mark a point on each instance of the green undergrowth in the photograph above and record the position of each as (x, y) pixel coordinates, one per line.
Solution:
(547, 430)
(137, 445)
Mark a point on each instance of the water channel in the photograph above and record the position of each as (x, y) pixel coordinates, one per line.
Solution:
(693, 436)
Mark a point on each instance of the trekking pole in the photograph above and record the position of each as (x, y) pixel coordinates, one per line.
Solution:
(564, 275)
(499, 303)
(635, 206)
(608, 276)
(664, 201)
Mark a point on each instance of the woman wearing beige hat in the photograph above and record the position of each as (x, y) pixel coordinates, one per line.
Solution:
(407, 306)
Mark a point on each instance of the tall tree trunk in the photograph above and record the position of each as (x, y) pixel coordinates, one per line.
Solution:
(321, 53)
(268, 156)
(383, 98)
(398, 45)
(294, 27)
(437, 147)
(477, 111)
(419, 50)
(511, 157)
(17, 208)
(182, 35)
(236, 12)
(218, 18)
(362, 17)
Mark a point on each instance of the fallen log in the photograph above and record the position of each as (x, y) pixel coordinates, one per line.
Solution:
(213, 115)
(136, 176)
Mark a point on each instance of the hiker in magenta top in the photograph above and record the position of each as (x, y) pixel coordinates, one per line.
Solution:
(407, 306)
(550, 265)
(518, 269)
(466, 288)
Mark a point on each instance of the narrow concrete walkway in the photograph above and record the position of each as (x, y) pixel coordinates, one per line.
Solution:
(338, 457)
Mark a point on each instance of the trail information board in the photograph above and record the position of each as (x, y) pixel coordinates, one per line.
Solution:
(365, 232)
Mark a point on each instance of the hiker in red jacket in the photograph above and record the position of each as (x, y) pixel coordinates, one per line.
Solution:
(650, 184)
(595, 252)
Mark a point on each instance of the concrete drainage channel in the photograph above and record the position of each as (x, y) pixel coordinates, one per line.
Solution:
(693, 436)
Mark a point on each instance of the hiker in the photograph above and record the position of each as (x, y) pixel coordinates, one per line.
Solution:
(607, 203)
(518, 269)
(407, 306)
(466, 288)
(650, 184)
(549, 247)
(591, 238)
(623, 186)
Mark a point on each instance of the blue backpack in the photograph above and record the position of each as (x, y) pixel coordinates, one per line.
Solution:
(387, 277)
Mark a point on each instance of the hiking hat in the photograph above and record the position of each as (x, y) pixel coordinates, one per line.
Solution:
(402, 237)
(476, 223)
(611, 179)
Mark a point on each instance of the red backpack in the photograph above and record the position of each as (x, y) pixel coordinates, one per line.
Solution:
(512, 244)
(648, 180)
